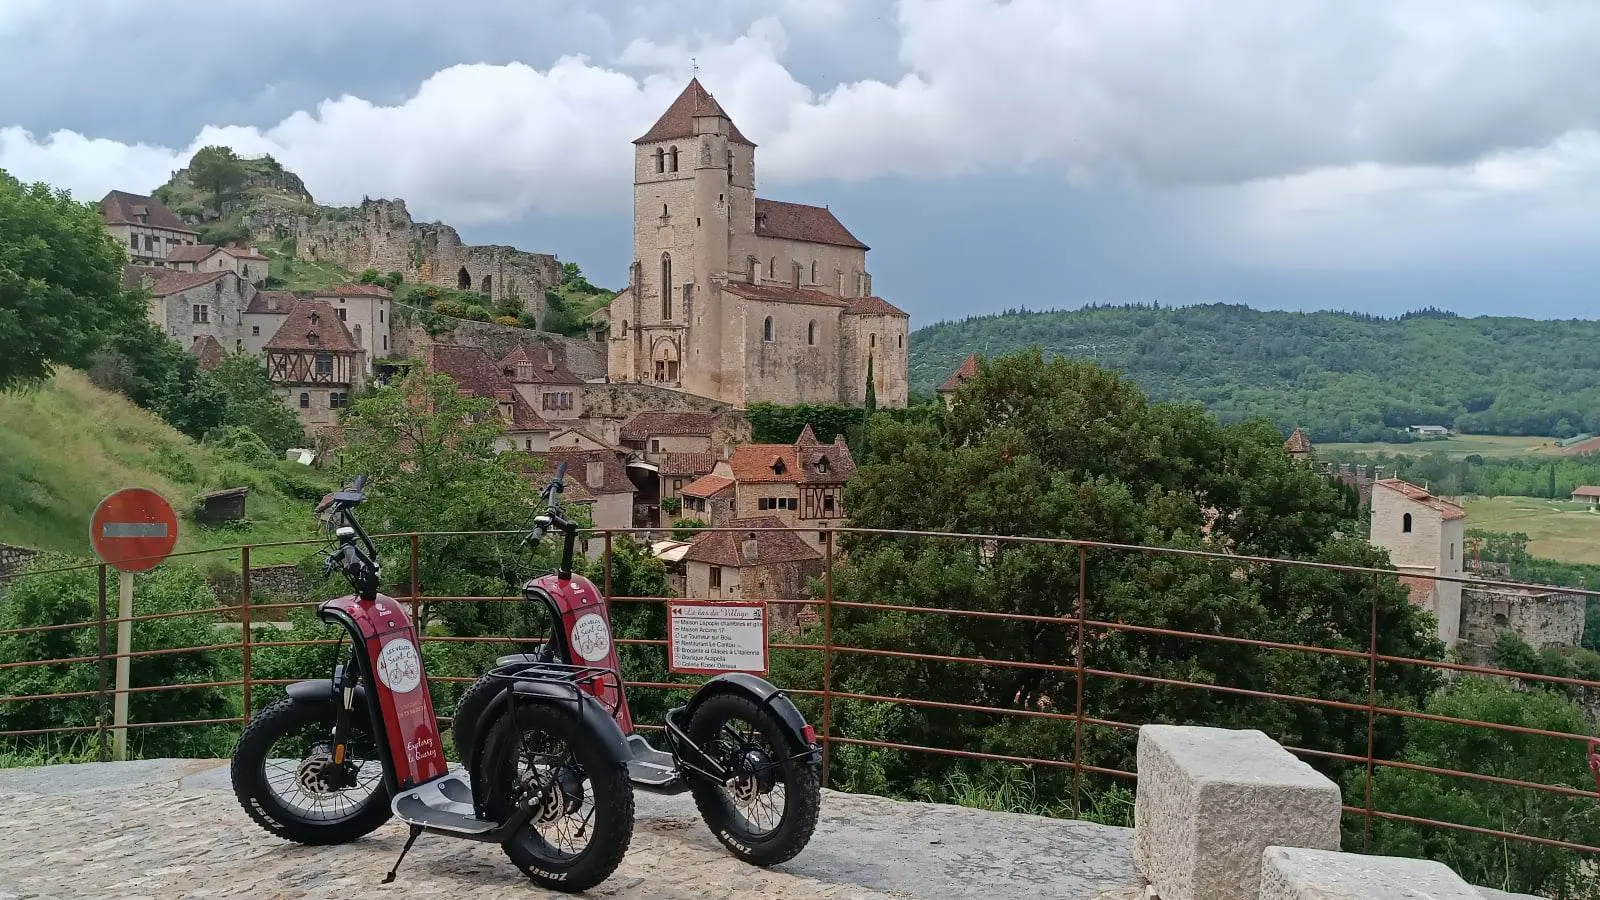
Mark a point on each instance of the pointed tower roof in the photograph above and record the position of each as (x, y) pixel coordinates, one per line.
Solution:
(1298, 444)
(678, 120)
(807, 436)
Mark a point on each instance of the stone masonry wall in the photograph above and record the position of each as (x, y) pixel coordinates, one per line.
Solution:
(380, 234)
(608, 406)
(1545, 619)
(13, 558)
(585, 359)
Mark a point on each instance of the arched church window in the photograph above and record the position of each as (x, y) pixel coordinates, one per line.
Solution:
(796, 275)
(666, 286)
(661, 156)
(1405, 521)
(899, 341)
(766, 330)
(811, 333)
(672, 160)
(814, 272)
(872, 340)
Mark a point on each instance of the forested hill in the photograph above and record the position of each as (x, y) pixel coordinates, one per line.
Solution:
(1339, 376)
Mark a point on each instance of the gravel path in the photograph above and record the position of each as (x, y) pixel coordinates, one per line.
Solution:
(171, 828)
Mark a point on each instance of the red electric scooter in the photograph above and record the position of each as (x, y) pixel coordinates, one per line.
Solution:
(546, 743)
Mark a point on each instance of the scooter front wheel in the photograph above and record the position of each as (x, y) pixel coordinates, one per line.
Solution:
(285, 777)
(542, 758)
(766, 811)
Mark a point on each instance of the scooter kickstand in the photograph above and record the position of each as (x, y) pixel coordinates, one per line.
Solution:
(411, 839)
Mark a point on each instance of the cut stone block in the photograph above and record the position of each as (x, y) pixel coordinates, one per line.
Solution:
(1300, 874)
(1210, 801)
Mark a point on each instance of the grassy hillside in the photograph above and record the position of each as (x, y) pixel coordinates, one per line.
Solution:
(67, 444)
(1557, 529)
(1342, 377)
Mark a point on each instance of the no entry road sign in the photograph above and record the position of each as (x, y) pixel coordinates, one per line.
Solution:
(133, 529)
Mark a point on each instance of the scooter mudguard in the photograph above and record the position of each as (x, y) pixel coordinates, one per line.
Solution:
(320, 688)
(586, 633)
(759, 690)
(394, 662)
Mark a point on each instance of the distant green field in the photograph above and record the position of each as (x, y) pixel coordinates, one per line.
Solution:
(1456, 445)
(1558, 529)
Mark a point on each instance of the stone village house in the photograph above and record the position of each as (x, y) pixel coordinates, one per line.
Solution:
(764, 563)
(144, 226)
(800, 484)
(315, 363)
(739, 298)
(476, 374)
(242, 261)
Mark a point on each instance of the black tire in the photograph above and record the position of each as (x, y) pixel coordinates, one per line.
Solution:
(799, 778)
(476, 698)
(611, 818)
(252, 783)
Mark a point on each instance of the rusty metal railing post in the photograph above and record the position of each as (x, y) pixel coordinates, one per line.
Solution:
(1372, 711)
(416, 588)
(103, 701)
(1077, 722)
(827, 653)
(244, 627)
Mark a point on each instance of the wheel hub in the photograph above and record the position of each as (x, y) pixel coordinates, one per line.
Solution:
(754, 775)
(563, 797)
(319, 774)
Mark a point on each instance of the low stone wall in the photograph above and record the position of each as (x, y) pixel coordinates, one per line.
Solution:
(607, 406)
(13, 558)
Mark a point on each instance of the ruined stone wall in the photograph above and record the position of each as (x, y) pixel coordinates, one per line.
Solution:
(380, 234)
(585, 358)
(1544, 619)
(608, 406)
(13, 558)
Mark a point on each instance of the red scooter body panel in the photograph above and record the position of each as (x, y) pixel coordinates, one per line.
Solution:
(401, 686)
(586, 622)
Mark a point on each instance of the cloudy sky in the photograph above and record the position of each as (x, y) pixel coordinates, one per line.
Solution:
(1349, 154)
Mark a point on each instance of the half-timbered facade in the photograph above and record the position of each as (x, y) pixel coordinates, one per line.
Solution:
(315, 362)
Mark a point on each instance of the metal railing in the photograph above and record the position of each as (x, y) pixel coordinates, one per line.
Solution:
(1078, 628)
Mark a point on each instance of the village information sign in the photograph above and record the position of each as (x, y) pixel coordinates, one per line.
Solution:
(710, 638)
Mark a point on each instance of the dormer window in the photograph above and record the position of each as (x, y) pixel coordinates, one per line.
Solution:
(822, 465)
(778, 468)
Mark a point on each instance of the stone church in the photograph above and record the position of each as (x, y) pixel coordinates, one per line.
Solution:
(739, 298)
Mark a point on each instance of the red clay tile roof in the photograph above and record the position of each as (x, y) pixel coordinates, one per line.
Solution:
(726, 548)
(249, 253)
(874, 306)
(800, 463)
(1587, 490)
(707, 486)
(312, 325)
(1297, 442)
(133, 276)
(658, 423)
(678, 120)
(209, 350)
(191, 253)
(123, 208)
(688, 463)
(776, 293)
(808, 435)
(542, 366)
(171, 281)
(474, 372)
(355, 289)
(1445, 508)
(615, 480)
(800, 222)
(272, 303)
(968, 370)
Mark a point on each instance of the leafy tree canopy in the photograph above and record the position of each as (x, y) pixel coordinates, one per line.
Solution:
(61, 292)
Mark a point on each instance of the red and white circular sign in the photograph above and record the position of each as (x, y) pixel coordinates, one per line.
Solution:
(133, 529)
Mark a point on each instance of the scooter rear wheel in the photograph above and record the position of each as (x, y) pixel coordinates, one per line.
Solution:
(540, 754)
(285, 779)
(766, 813)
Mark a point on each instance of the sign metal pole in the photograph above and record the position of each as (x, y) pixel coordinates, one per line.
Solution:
(119, 705)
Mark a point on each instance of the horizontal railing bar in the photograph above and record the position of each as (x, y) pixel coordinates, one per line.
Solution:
(1223, 638)
(1489, 832)
(973, 613)
(1225, 689)
(972, 660)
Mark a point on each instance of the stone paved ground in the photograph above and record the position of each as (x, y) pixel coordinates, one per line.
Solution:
(171, 828)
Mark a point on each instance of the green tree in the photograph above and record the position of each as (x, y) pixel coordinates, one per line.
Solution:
(251, 401)
(61, 292)
(872, 391)
(429, 456)
(1066, 449)
(218, 171)
(1507, 865)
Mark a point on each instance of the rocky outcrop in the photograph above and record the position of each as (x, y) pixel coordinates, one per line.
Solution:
(381, 235)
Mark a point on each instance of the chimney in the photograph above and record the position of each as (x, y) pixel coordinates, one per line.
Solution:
(549, 359)
(751, 548)
(505, 401)
(594, 473)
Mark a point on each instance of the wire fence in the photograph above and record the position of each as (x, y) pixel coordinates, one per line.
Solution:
(1073, 636)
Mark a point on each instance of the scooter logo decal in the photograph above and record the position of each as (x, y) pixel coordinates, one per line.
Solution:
(591, 638)
(399, 667)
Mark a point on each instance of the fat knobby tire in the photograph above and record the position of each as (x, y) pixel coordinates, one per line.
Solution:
(802, 785)
(612, 824)
(469, 711)
(262, 805)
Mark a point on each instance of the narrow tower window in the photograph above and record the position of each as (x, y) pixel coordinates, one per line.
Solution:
(666, 286)
(814, 272)
(1405, 521)
(811, 333)
(766, 330)
(672, 160)
(661, 156)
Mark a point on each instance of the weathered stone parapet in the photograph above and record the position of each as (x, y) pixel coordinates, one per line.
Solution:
(1301, 874)
(1209, 803)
